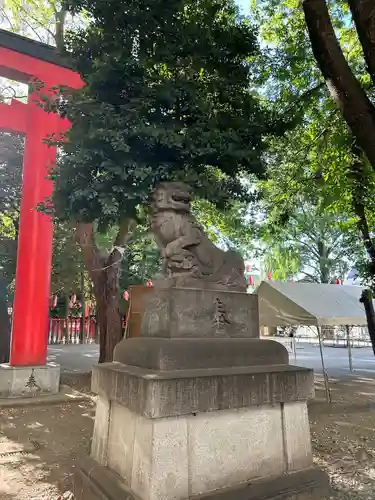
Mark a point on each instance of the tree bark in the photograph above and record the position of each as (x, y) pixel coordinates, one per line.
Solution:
(60, 18)
(363, 12)
(104, 271)
(359, 194)
(345, 89)
(107, 291)
(366, 300)
(363, 226)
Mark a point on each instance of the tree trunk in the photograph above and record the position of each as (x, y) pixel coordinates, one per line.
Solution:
(107, 292)
(345, 89)
(366, 300)
(104, 271)
(60, 18)
(363, 226)
(363, 12)
(359, 195)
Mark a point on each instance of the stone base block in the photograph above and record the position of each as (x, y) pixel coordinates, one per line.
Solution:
(24, 381)
(156, 394)
(196, 313)
(184, 354)
(180, 457)
(95, 482)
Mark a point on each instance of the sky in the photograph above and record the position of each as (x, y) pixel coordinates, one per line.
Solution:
(244, 5)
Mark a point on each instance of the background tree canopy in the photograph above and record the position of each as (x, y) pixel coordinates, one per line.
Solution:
(316, 163)
(183, 91)
(169, 96)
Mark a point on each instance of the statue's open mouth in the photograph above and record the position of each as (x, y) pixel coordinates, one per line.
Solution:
(181, 198)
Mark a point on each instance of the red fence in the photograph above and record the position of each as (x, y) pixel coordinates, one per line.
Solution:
(69, 331)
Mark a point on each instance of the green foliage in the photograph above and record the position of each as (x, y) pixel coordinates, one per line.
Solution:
(229, 229)
(30, 17)
(41, 20)
(67, 263)
(167, 96)
(141, 258)
(141, 261)
(314, 245)
(11, 152)
(312, 167)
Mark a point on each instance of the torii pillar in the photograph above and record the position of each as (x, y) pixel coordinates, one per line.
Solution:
(24, 60)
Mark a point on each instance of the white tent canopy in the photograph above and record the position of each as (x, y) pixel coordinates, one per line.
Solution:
(282, 304)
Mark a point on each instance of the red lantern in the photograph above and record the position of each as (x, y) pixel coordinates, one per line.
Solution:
(126, 295)
(251, 280)
(269, 276)
(248, 268)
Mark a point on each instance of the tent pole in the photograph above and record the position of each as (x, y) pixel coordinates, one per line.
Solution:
(349, 348)
(325, 375)
(294, 349)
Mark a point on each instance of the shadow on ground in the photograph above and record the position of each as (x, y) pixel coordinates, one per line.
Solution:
(343, 435)
(39, 447)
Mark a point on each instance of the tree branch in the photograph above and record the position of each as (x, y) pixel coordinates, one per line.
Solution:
(305, 96)
(363, 12)
(365, 230)
(5, 15)
(310, 276)
(124, 232)
(123, 236)
(344, 88)
(60, 17)
(310, 248)
(27, 14)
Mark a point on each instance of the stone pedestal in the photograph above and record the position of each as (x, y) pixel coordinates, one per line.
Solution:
(24, 381)
(213, 417)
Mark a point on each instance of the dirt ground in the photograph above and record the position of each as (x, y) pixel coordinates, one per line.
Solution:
(39, 445)
(343, 436)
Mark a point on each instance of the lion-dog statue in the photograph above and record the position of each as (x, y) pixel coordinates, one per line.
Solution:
(190, 257)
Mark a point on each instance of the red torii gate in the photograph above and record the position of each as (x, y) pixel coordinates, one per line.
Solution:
(24, 60)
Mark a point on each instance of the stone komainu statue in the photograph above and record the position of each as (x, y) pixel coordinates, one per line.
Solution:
(191, 259)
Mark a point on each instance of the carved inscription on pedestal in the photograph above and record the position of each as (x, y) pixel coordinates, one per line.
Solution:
(220, 319)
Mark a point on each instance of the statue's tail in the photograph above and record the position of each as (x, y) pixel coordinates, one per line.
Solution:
(236, 259)
(232, 272)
